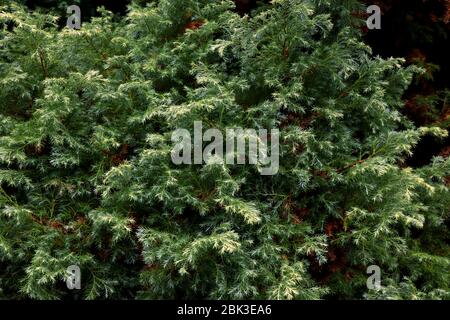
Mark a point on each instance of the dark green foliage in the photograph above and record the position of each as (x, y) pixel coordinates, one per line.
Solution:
(87, 179)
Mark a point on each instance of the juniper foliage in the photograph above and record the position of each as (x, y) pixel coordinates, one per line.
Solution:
(87, 178)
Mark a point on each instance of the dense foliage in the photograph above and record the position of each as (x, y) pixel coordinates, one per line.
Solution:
(87, 178)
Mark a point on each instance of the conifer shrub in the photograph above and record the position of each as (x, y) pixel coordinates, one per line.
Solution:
(87, 179)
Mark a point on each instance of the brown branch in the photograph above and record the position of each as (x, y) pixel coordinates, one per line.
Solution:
(43, 63)
(56, 225)
(351, 165)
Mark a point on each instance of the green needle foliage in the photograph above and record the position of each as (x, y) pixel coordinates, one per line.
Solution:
(86, 177)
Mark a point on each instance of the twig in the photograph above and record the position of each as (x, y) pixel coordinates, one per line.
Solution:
(43, 63)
